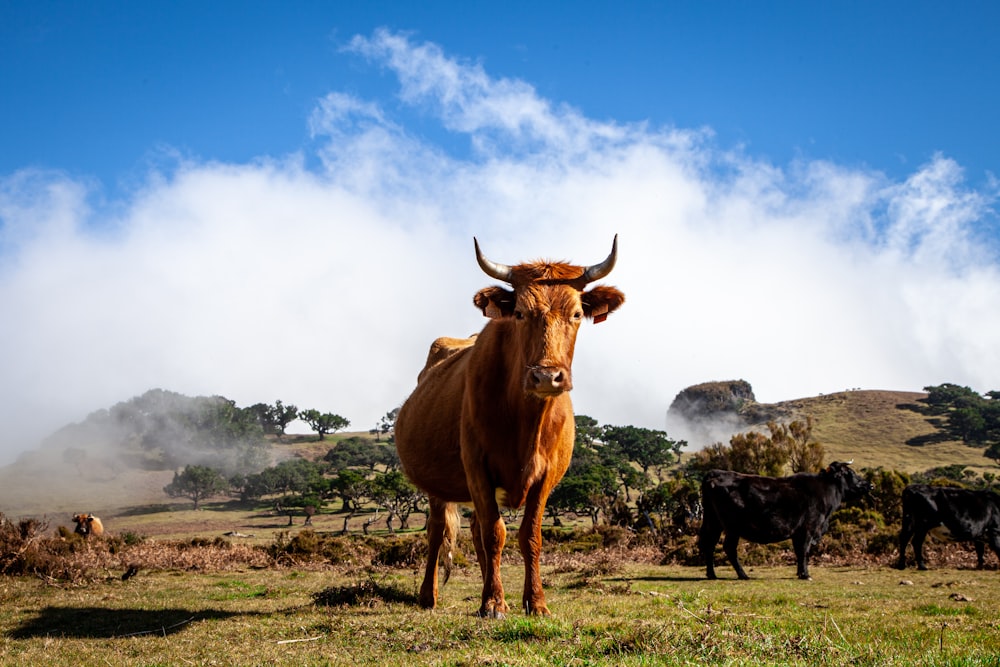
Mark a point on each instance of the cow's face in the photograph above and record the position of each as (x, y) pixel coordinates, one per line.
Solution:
(854, 485)
(81, 521)
(544, 311)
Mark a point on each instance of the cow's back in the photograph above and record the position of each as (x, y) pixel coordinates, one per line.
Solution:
(427, 430)
(966, 514)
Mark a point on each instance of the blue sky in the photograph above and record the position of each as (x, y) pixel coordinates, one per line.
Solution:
(94, 88)
(276, 200)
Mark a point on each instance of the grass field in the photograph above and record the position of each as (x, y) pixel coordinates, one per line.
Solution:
(609, 612)
(232, 605)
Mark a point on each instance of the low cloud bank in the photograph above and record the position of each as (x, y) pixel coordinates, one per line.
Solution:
(323, 285)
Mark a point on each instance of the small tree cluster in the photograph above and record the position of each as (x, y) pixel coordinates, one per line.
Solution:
(962, 414)
(788, 448)
(611, 466)
(357, 471)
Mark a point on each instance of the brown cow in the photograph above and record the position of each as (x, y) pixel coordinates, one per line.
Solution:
(491, 421)
(87, 525)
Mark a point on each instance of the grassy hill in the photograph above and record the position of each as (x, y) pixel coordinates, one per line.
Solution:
(872, 427)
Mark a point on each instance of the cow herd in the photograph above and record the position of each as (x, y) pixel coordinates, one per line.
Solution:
(490, 424)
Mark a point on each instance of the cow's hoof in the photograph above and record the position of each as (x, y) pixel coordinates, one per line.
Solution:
(921, 567)
(493, 609)
(537, 610)
(805, 577)
(900, 566)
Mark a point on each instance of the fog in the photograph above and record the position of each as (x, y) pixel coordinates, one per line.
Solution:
(320, 278)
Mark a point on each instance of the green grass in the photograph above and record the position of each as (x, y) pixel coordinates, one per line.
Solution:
(638, 615)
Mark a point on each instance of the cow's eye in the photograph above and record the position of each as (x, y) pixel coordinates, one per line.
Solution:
(519, 314)
(578, 315)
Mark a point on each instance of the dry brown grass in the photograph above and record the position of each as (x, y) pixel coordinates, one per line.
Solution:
(872, 428)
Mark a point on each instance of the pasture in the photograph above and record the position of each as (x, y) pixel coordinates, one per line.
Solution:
(608, 610)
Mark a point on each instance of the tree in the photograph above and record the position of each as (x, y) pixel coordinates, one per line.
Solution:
(394, 492)
(962, 414)
(386, 425)
(356, 452)
(282, 415)
(588, 432)
(645, 447)
(323, 423)
(804, 453)
(197, 483)
(353, 489)
(589, 486)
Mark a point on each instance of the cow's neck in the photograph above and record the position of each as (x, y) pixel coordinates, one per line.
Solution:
(536, 418)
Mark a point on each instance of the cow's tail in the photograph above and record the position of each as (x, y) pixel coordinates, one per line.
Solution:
(452, 523)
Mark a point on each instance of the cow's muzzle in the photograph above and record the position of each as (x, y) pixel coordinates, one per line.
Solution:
(548, 380)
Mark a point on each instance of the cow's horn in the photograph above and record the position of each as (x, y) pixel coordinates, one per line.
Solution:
(598, 271)
(851, 462)
(492, 269)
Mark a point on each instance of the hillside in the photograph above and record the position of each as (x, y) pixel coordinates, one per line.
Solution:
(871, 427)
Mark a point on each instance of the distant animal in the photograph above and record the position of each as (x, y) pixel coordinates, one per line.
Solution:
(491, 422)
(949, 514)
(772, 509)
(87, 525)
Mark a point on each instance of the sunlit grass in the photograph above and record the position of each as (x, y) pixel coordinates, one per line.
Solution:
(638, 615)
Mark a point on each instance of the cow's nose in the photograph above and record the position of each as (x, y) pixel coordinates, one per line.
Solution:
(548, 379)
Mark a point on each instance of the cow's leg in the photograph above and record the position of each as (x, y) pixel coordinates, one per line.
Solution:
(994, 540)
(918, 547)
(529, 538)
(492, 535)
(436, 529)
(905, 533)
(729, 545)
(980, 554)
(802, 544)
(478, 543)
(708, 537)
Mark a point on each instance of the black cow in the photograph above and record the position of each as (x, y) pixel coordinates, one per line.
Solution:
(772, 509)
(949, 514)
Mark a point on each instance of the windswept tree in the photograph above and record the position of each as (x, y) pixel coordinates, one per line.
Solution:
(386, 425)
(358, 452)
(394, 492)
(645, 447)
(323, 423)
(282, 415)
(354, 490)
(197, 483)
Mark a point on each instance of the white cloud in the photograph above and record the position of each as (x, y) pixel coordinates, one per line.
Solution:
(324, 287)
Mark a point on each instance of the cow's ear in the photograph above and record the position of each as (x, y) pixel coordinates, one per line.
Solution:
(495, 302)
(601, 301)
